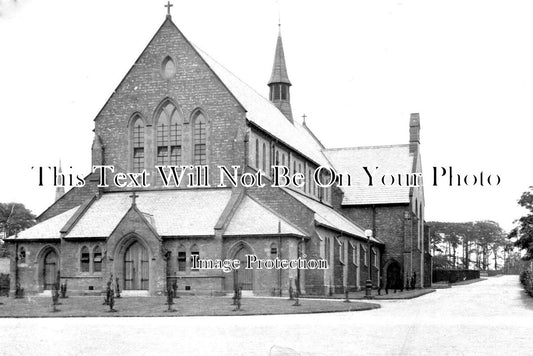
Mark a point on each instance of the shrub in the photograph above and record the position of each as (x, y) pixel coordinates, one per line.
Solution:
(526, 278)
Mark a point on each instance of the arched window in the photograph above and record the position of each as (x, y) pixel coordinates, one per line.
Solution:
(342, 248)
(264, 158)
(200, 124)
(284, 92)
(85, 258)
(257, 153)
(168, 136)
(138, 144)
(168, 68)
(309, 181)
(194, 252)
(97, 259)
(273, 249)
(22, 255)
(182, 259)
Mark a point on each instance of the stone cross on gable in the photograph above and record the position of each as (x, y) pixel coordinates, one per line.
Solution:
(133, 197)
(168, 6)
(304, 116)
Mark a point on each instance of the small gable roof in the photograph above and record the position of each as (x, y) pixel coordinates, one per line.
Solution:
(251, 218)
(48, 229)
(193, 212)
(394, 159)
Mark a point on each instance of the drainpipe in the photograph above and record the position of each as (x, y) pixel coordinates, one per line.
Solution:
(374, 235)
(16, 266)
(279, 256)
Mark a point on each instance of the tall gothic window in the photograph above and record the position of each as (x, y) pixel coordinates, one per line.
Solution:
(257, 153)
(97, 259)
(200, 139)
(182, 259)
(194, 252)
(168, 136)
(264, 158)
(138, 144)
(22, 255)
(85, 258)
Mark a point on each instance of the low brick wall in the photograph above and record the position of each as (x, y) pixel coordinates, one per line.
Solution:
(454, 275)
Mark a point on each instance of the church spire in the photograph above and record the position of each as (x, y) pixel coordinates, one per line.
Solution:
(60, 189)
(279, 82)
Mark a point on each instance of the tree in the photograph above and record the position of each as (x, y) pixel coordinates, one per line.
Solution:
(524, 231)
(483, 237)
(14, 217)
(489, 236)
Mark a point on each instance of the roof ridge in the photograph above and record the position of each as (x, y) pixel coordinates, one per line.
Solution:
(202, 52)
(274, 213)
(366, 147)
(304, 125)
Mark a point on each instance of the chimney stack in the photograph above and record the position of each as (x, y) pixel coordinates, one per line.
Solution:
(414, 133)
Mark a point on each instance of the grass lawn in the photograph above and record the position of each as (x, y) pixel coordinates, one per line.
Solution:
(155, 306)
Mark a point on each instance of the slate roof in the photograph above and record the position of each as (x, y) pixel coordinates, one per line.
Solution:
(48, 229)
(191, 212)
(329, 217)
(394, 159)
(251, 218)
(264, 114)
(279, 68)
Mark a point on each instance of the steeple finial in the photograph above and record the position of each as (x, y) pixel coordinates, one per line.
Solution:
(134, 197)
(168, 6)
(60, 189)
(279, 82)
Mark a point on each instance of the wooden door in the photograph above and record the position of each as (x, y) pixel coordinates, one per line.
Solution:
(243, 277)
(136, 268)
(50, 270)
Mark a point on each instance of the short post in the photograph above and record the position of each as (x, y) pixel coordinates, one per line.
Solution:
(238, 297)
(368, 289)
(64, 290)
(108, 292)
(368, 283)
(111, 300)
(170, 299)
(291, 292)
(55, 298)
(19, 292)
(118, 288)
(346, 296)
(235, 293)
(297, 299)
(175, 289)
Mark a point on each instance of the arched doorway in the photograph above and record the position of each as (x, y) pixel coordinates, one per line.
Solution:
(394, 271)
(136, 267)
(50, 268)
(242, 276)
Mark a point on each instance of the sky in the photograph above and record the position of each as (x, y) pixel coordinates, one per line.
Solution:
(358, 69)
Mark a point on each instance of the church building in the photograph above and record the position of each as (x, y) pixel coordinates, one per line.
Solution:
(178, 106)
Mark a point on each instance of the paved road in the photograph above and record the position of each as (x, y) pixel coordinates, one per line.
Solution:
(488, 317)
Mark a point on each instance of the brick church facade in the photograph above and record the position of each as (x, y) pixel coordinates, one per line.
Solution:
(178, 106)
